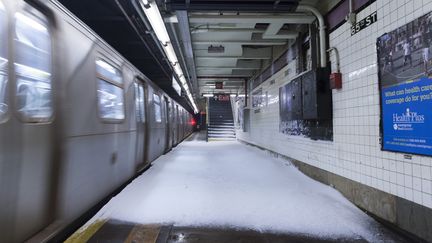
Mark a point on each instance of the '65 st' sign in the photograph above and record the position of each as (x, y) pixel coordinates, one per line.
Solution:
(370, 19)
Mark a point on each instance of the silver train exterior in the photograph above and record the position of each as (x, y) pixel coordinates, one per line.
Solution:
(77, 120)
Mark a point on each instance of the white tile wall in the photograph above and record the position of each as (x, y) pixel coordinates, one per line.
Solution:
(355, 151)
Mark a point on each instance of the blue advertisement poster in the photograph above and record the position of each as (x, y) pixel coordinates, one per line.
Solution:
(405, 78)
(407, 117)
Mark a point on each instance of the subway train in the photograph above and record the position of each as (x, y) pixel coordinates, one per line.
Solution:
(77, 120)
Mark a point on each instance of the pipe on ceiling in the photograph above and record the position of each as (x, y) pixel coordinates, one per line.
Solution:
(321, 26)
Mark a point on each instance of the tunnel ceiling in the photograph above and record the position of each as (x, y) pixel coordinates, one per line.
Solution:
(108, 20)
(229, 42)
(234, 5)
(215, 41)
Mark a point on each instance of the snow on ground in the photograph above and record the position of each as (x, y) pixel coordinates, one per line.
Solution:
(229, 184)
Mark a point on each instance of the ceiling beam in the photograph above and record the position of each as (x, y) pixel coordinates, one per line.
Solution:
(235, 57)
(224, 76)
(203, 81)
(264, 6)
(273, 29)
(226, 30)
(184, 27)
(241, 42)
(293, 18)
(231, 68)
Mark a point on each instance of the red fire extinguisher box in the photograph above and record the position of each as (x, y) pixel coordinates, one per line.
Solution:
(336, 80)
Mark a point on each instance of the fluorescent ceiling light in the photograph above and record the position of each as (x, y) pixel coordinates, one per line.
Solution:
(233, 95)
(156, 21)
(151, 10)
(169, 50)
(208, 95)
(177, 69)
(241, 95)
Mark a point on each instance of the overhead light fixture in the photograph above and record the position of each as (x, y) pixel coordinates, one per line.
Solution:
(145, 3)
(208, 95)
(233, 95)
(156, 21)
(216, 49)
(169, 50)
(151, 10)
(241, 95)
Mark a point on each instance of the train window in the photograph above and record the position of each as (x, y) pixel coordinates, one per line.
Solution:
(108, 72)
(33, 67)
(157, 107)
(139, 103)
(110, 92)
(110, 101)
(3, 64)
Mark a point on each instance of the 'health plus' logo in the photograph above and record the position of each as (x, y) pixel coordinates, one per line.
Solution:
(405, 120)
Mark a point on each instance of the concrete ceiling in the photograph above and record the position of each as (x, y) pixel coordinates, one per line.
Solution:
(243, 42)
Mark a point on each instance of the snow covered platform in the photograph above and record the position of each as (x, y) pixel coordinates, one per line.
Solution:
(229, 192)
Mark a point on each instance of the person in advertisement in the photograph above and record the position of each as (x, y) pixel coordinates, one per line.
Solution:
(407, 53)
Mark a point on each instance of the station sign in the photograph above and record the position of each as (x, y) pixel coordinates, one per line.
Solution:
(362, 24)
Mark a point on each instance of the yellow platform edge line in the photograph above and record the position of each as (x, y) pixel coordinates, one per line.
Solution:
(143, 233)
(84, 234)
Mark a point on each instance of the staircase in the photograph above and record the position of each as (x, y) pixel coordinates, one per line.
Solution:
(221, 122)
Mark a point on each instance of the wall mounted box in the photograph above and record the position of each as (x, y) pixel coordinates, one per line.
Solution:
(294, 100)
(317, 99)
(336, 81)
(291, 101)
(282, 103)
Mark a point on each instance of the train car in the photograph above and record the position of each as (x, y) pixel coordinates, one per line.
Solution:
(77, 120)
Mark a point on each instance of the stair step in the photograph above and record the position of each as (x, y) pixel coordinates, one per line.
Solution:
(221, 136)
(221, 139)
(221, 128)
(221, 123)
(221, 132)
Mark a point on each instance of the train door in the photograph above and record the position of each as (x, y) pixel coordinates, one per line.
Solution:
(141, 125)
(173, 124)
(167, 124)
(26, 122)
(180, 125)
(176, 117)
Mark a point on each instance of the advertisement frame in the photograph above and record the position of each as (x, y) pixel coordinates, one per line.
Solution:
(380, 89)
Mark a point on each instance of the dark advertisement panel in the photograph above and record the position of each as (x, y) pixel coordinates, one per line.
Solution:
(406, 87)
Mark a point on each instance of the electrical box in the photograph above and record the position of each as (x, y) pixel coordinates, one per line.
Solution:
(283, 102)
(291, 101)
(294, 100)
(317, 99)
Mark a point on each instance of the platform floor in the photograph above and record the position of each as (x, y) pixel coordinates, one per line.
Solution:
(228, 192)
